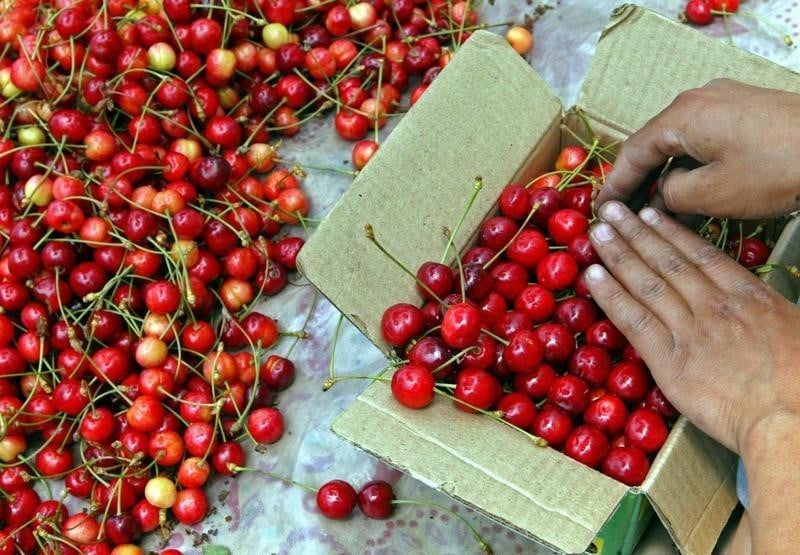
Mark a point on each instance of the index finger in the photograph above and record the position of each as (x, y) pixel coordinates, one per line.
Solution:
(646, 150)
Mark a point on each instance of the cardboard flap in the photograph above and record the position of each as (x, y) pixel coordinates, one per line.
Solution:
(696, 488)
(522, 487)
(432, 157)
(644, 60)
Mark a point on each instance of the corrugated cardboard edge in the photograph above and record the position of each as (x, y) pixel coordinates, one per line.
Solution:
(692, 487)
(495, 147)
(632, 75)
(523, 488)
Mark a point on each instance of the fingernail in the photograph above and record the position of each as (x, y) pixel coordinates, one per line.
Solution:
(649, 215)
(602, 232)
(612, 211)
(595, 272)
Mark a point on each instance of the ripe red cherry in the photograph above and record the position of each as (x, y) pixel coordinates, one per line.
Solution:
(517, 409)
(477, 282)
(509, 279)
(576, 313)
(537, 383)
(528, 248)
(570, 158)
(482, 355)
(265, 425)
(412, 386)
(552, 424)
(438, 278)
(336, 499)
(751, 253)
(629, 465)
(461, 325)
(351, 126)
(478, 388)
(430, 352)
(557, 271)
(587, 445)
(401, 323)
(524, 351)
(375, 499)
(646, 430)
(590, 363)
(277, 372)
(698, 12)
(629, 381)
(496, 232)
(569, 393)
(558, 341)
(515, 201)
(191, 506)
(604, 334)
(656, 401)
(607, 413)
(566, 224)
(581, 249)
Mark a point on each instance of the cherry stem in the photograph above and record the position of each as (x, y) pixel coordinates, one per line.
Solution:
(476, 188)
(485, 547)
(236, 469)
(370, 234)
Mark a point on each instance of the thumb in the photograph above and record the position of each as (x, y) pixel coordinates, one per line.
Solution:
(691, 191)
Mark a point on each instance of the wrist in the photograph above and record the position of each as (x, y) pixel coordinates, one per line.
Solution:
(769, 435)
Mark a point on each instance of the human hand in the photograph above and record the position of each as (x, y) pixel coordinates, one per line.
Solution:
(745, 139)
(719, 342)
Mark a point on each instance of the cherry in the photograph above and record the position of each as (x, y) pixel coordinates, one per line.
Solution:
(429, 352)
(581, 249)
(412, 386)
(646, 430)
(587, 445)
(461, 325)
(629, 381)
(437, 278)
(537, 383)
(509, 279)
(492, 307)
(576, 313)
(482, 355)
(375, 498)
(549, 201)
(515, 201)
(751, 253)
(528, 248)
(558, 341)
(517, 409)
(656, 401)
(557, 271)
(606, 413)
(552, 424)
(566, 224)
(191, 506)
(400, 323)
(604, 334)
(336, 499)
(698, 12)
(524, 351)
(510, 323)
(590, 363)
(477, 282)
(496, 232)
(569, 393)
(228, 454)
(477, 388)
(265, 425)
(277, 372)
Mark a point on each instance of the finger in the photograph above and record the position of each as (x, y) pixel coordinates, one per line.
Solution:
(659, 255)
(643, 152)
(717, 266)
(643, 284)
(693, 191)
(637, 323)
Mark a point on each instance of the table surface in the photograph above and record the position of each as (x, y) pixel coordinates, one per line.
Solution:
(254, 514)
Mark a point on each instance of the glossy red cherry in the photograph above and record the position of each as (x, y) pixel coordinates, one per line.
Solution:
(518, 409)
(607, 413)
(412, 386)
(587, 445)
(461, 325)
(629, 465)
(569, 393)
(401, 323)
(476, 388)
(336, 499)
(552, 424)
(375, 499)
(646, 430)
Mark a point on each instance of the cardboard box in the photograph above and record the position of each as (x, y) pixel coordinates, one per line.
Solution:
(490, 114)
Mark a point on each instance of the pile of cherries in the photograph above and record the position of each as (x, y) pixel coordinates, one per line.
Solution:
(141, 215)
(513, 333)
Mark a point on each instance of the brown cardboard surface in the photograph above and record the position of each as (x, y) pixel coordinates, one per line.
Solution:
(421, 179)
(643, 60)
(692, 487)
(468, 457)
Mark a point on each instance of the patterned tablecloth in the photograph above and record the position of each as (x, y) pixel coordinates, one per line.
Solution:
(254, 514)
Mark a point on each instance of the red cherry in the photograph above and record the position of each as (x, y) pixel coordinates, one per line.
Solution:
(509, 279)
(586, 445)
(528, 248)
(558, 341)
(569, 393)
(590, 363)
(698, 12)
(375, 499)
(646, 430)
(497, 232)
(412, 386)
(524, 351)
(461, 325)
(656, 401)
(628, 465)
(629, 381)
(336, 499)
(576, 313)
(191, 506)
(265, 425)
(552, 424)
(604, 334)
(430, 352)
(607, 413)
(437, 278)
(478, 388)
(401, 323)
(566, 224)
(517, 409)
(557, 271)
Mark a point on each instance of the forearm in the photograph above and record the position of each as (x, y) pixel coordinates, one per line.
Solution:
(771, 454)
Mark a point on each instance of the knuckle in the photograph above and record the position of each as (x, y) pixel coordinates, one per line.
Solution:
(638, 322)
(708, 256)
(673, 265)
(651, 288)
(754, 289)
